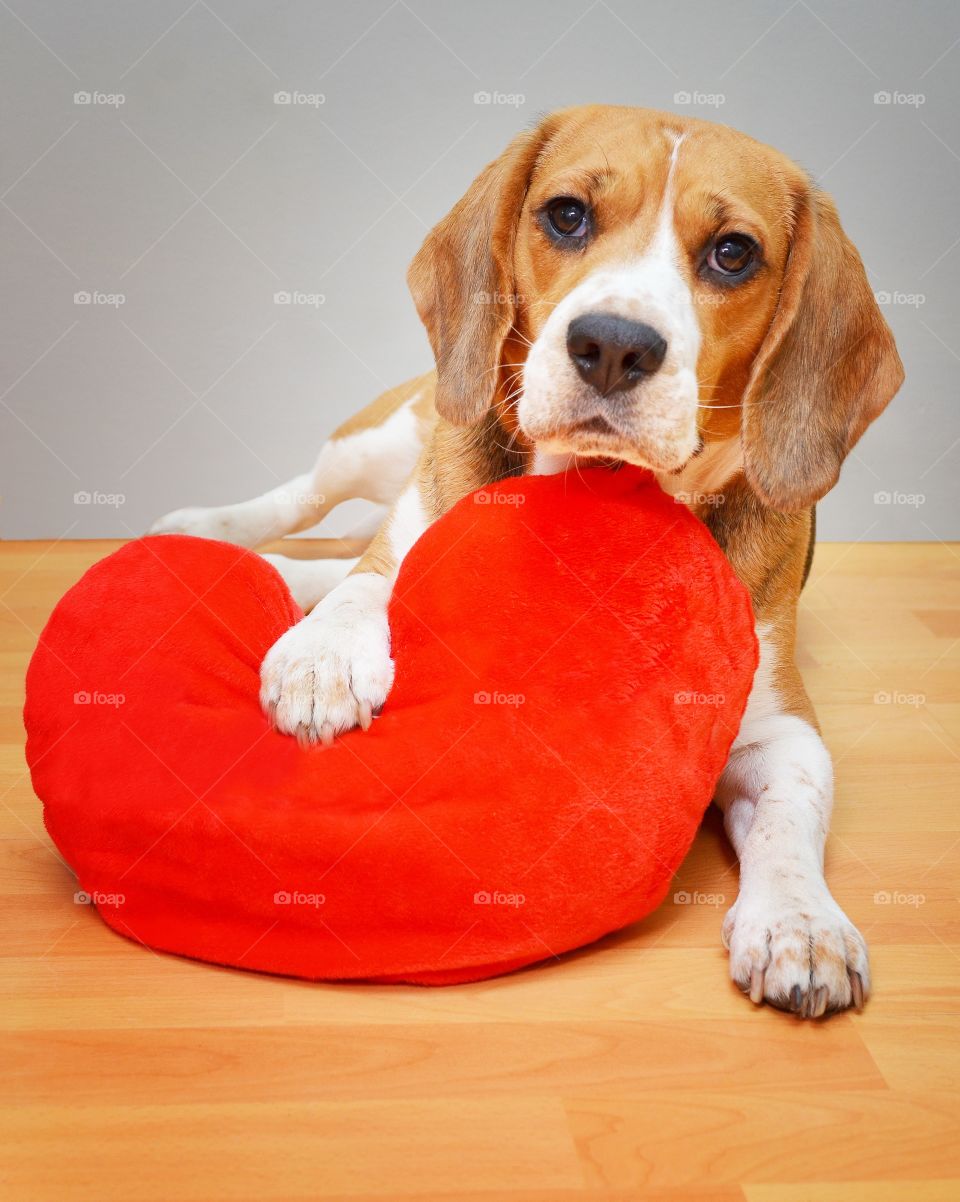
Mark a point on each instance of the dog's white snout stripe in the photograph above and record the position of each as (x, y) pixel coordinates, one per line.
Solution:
(660, 417)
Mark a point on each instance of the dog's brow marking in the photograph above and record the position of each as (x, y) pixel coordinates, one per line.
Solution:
(665, 232)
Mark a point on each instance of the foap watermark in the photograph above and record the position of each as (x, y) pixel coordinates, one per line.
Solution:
(484, 496)
(709, 100)
(910, 300)
(692, 697)
(93, 897)
(498, 298)
(897, 897)
(296, 897)
(113, 100)
(511, 699)
(498, 897)
(694, 897)
(913, 100)
(312, 300)
(512, 100)
(911, 499)
(113, 499)
(288, 497)
(309, 100)
(88, 697)
(710, 300)
(898, 697)
(713, 499)
(112, 299)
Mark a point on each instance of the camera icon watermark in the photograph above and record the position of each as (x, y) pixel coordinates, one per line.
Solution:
(94, 897)
(88, 697)
(694, 897)
(911, 499)
(507, 99)
(484, 496)
(295, 897)
(692, 697)
(710, 100)
(711, 300)
(898, 697)
(898, 897)
(911, 300)
(312, 300)
(713, 499)
(311, 100)
(113, 100)
(495, 698)
(498, 298)
(112, 499)
(111, 299)
(498, 897)
(903, 99)
(288, 496)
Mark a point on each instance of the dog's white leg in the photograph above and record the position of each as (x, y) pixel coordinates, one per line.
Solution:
(789, 941)
(309, 580)
(333, 670)
(373, 462)
(291, 507)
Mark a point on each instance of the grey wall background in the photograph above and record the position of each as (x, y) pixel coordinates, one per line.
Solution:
(197, 198)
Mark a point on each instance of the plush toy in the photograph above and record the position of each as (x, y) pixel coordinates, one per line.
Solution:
(573, 655)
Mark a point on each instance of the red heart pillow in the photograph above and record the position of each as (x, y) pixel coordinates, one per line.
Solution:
(573, 657)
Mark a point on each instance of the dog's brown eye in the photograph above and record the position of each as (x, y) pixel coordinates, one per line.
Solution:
(567, 217)
(732, 254)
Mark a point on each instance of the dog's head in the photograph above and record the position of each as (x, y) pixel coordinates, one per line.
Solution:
(628, 284)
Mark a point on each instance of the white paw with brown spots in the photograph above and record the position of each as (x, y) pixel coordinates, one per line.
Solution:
(332, 671)
(798, 952)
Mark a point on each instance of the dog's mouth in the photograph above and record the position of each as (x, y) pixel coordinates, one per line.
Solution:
(611, 438)
(590, 433)
(592, 426)
(594, 439)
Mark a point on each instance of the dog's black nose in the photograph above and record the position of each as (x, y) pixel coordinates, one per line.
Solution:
(613, 353)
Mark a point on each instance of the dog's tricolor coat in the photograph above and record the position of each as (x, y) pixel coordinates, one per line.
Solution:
(640, 287)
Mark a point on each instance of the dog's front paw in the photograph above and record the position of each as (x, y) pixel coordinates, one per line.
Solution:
(800, 953)
(333, 670)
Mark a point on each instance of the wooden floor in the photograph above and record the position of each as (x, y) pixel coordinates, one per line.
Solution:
(630, 1070)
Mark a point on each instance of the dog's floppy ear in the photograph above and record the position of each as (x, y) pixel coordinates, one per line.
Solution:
(827, 367)
(462, 280)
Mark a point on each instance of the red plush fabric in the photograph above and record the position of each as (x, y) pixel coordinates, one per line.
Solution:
(573, 656)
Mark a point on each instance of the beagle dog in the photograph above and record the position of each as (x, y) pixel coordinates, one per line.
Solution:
(633, 286)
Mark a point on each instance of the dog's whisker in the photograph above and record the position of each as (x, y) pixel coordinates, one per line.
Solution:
(499, 367)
